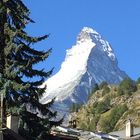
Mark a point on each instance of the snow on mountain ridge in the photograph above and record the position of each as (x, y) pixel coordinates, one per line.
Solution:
(90, 61)
(74, 68)
(88, 33)
(89, 30)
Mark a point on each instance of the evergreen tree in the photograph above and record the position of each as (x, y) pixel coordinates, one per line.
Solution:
(138, 81)
(127, 86)
(17, 60)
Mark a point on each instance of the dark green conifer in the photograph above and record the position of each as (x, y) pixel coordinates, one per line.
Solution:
(17, 60)
(127, 86)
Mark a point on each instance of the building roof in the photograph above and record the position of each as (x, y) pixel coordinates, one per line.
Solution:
(81, 134)
(121, 134)
(8, 134)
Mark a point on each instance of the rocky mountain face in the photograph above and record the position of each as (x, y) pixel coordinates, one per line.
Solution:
(91, 60)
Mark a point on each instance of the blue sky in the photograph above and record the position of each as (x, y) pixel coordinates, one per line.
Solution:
(118, 21)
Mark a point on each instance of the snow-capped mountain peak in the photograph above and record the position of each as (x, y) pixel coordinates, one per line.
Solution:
(91, 60)
(88, 33)
(89, 30)
(85, 34)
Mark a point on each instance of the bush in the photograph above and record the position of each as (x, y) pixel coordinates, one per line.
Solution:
(106, 90)
(127, 86)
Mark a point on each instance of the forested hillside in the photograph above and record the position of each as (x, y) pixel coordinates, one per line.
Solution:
(109, 107)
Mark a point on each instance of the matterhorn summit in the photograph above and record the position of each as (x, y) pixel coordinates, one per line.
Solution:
(91, 60)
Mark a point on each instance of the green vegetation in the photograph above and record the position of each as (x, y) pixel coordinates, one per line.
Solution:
(93, 123)
(138, 81)
(108, 124)
(104, 86)
(127, 86)
(107, 110)
(90, 123)
(17, 70)
(101, 107)
(106, 90)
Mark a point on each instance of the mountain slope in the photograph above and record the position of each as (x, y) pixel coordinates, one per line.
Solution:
(108, 111)
(90, 61)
